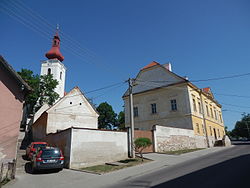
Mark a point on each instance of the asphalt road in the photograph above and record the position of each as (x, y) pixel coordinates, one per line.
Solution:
(230, 168)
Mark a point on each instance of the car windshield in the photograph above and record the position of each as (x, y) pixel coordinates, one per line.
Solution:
(50, 153)
(39, 145)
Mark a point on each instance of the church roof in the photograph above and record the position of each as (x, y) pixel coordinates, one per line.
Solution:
(54, 52)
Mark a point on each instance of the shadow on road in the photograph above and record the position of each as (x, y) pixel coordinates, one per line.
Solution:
(232, 173)
(241, 143)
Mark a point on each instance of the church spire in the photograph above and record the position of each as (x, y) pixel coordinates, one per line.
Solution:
(54, 52)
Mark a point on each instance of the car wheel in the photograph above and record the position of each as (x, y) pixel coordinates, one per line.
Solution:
(33, 169)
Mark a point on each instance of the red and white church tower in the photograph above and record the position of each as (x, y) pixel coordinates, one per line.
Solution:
(54, 65)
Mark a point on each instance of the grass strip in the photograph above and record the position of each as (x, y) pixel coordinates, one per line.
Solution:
(105, 168)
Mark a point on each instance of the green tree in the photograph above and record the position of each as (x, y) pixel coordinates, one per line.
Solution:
(121, 120)
(46, 90)
(107, 116)
(141, 144)
(241, 127)
(228, 133)
(42, 89)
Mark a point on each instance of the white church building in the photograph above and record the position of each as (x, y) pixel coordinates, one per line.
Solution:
(71, 123)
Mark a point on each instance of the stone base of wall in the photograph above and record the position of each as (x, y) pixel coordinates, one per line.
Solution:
(171, 139)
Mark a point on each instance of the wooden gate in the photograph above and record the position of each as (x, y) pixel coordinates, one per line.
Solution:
(146, 134)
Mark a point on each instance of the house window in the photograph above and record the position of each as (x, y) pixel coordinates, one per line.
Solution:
(211, 133)
(194, 105)
(220, 118)
(215, 114)
(211, 110)
(153, 108)
(60, 75)
(49, 71)
(207, 111)
(199, 106)
(203, 129)
(198, 128)
(173, 105)
(136, 112)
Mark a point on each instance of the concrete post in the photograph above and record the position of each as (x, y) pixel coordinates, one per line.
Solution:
(131, 108)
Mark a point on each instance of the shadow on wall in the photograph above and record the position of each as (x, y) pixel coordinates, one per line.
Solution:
(232, 173)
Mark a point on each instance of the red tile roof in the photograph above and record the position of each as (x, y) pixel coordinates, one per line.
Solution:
(153, 63)
(207, 90)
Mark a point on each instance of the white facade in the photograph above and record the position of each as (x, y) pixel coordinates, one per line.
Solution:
(73, 110)
(58, 70)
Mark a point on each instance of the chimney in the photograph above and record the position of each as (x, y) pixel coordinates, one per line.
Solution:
(168, 66)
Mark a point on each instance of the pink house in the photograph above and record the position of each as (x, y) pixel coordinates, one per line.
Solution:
(12, 93)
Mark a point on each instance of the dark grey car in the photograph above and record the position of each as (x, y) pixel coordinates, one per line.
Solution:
(47, 158)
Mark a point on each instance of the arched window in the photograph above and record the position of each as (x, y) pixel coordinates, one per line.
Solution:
(54, 42)
(49, 71)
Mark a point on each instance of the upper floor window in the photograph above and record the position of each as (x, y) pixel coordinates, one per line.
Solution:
(173, 105)
(207, 111)
(194, 105)
(60, 75)
(136, 111)
(49, 71)
(153, 108)
(211, 110)
(220, 118)
(215, 114)
(199, 106)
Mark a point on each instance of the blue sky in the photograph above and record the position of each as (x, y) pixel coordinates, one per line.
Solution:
(106, 42)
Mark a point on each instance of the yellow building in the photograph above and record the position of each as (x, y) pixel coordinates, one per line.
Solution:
(161, 97)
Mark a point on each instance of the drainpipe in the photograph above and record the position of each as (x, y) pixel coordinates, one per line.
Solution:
(203, 118)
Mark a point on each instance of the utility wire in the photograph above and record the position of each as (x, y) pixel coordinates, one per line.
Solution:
(70, 45)
(232, 95)
(236, 105)
(222, 78)
(226, 110)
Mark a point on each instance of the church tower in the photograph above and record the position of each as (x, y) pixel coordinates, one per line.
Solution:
(55, 66)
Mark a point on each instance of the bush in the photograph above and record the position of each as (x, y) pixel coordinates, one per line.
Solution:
(141, 144)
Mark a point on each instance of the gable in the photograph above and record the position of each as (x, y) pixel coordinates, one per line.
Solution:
(154, 77)
(74, 103)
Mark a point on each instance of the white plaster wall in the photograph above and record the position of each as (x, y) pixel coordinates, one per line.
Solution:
(40, 111)
(72, 111)
(169, 138)
(93, 147)
(62, 140)
(56, 67)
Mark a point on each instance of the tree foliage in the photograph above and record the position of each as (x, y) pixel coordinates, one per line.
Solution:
(241, 127)
(121, 120)
(42, 89)
(141, 144)
(107, 116)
